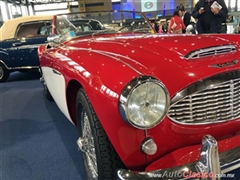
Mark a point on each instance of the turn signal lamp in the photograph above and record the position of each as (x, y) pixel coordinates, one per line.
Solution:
(149, 147)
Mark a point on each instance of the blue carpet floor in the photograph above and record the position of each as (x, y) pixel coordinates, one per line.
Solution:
(37, 142)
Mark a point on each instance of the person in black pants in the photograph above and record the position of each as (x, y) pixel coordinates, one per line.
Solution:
(209, 19)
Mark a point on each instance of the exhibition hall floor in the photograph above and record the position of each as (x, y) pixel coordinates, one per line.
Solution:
(37, 142)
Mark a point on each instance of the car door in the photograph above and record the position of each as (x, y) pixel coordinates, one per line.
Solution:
(22, 52)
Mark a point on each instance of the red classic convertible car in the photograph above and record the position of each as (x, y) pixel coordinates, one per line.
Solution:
(147, 106)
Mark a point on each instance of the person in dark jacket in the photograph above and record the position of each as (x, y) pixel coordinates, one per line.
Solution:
(164, 26)
(209, 19)
(186, 17)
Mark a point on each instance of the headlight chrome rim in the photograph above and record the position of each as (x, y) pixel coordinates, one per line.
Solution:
(127, 93)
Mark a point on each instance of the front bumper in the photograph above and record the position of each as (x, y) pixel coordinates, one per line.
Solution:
(210, 166)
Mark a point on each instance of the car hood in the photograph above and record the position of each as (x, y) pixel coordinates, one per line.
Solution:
(139, 48)
(161, 56)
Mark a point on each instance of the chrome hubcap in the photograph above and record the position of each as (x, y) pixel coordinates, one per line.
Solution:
(86, 145)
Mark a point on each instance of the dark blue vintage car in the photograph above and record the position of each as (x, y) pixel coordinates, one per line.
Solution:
(19, 40)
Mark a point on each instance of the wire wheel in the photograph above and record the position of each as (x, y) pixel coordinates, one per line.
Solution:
(100, 158)
(86, 145)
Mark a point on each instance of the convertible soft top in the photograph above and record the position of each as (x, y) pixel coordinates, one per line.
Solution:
(8, 29)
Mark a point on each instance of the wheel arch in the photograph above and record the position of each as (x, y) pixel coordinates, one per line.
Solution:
(3, 63)
(4, 71)
(71, 95)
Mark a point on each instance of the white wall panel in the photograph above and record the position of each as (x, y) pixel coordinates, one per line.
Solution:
(3, 11)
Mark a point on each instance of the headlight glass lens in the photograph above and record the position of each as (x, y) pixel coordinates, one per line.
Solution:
(147, 105)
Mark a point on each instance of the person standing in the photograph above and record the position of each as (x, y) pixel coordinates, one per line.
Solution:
(186, 17)
(176, 24)
(209, 19)
(164, 26)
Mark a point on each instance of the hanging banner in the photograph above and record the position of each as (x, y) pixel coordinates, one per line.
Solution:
(148, 5)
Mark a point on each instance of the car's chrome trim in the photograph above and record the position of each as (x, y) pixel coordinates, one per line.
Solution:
(114, 56)
(231, 168)
(18, 68)
(223, 65)
(3, 52)
(127, 91)
(227, 161)
(205, 84)
(210, 51)
(209, 157)
(209, 83)
(24, 67)
(4, 64)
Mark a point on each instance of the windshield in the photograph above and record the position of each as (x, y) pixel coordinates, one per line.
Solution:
(94, 23)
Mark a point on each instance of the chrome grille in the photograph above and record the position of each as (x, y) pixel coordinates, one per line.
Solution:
(211, 51)
(216, 103)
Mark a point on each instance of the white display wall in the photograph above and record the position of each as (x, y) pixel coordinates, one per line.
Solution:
(49, 9)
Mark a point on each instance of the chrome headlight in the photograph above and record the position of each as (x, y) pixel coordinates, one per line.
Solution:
(144, 102)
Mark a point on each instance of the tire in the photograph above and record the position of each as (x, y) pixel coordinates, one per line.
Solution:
(100, 158)
(4, 73)
(46, 92)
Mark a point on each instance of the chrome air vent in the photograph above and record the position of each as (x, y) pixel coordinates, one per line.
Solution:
(210, 101)
(211, 51)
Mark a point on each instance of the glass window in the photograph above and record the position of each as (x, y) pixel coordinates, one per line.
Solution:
(31, 30)
(87, 28)
(45, 30)
(233, 3)
(226, 2)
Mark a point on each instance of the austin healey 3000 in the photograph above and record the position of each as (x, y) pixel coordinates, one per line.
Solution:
(145, 103)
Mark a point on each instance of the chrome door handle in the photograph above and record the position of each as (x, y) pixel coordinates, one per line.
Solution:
(16, 44)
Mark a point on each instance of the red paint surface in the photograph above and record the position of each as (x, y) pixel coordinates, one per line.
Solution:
(104, 65)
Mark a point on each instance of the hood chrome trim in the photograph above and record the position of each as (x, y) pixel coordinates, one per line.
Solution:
(223, 65)
(116, 57)
(211, 51)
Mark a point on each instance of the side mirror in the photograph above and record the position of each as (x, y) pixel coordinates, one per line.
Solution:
(53, 40)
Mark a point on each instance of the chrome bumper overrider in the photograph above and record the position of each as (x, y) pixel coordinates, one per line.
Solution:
(210, 166)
